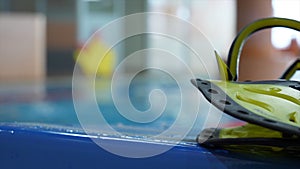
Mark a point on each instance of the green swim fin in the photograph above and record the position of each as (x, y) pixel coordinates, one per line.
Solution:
(271, 107)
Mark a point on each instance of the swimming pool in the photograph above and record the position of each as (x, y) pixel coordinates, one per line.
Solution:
(39, 128)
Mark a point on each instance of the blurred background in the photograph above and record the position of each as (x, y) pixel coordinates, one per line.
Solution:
(40, 38)
(40, 41)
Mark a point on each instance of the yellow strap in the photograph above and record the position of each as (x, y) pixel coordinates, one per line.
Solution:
(237, 45)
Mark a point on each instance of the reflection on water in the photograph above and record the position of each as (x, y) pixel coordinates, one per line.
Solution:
(56, 106)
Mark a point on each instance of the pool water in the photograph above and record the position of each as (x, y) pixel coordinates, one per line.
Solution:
(39, 128)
